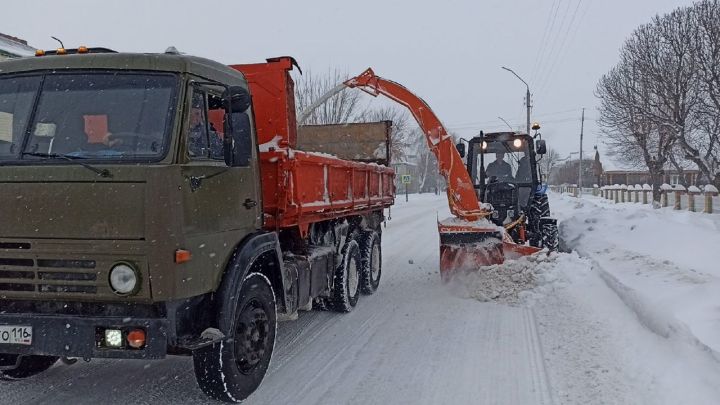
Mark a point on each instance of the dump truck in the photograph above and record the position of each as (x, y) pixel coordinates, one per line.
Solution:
(164, 204)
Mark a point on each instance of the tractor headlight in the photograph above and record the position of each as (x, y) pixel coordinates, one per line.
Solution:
(123, 279)
(517, 143)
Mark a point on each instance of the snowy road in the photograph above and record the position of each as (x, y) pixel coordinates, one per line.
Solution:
(414, 342)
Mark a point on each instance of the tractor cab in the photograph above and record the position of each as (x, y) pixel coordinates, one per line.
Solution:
(503, 168)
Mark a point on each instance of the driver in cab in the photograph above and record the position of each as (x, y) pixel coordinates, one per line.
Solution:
(500, 169)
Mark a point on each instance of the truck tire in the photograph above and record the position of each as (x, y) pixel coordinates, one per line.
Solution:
(29, 366)
(346, 286)
(370, 262)
(231, 370)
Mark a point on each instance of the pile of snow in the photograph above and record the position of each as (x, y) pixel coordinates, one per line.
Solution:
(662, 263)
(516, 282)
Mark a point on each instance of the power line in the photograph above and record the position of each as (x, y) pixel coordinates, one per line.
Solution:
(563, 49)
(495, 121)
(545, 40)
(518, 123)
(555, 41)
(562, 45)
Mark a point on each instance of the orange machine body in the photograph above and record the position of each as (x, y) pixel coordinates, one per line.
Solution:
(470, 241)
(301, 187)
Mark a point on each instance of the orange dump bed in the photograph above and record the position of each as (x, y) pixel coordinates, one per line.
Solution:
(302, 187)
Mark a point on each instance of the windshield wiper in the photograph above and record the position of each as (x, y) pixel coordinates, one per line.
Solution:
(74, 159)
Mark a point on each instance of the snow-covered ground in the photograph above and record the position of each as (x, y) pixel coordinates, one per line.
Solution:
(571, 330)
(665, 263)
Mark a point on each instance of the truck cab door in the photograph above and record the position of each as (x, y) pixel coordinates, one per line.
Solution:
(221, 203)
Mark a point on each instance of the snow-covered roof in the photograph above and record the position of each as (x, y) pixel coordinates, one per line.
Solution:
(15, 46)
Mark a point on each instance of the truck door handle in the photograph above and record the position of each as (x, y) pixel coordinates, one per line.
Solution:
(249, 203)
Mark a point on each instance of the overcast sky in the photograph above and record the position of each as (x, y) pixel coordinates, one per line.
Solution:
(448, 52)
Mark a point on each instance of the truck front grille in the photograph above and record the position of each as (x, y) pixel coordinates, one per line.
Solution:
(56, 276)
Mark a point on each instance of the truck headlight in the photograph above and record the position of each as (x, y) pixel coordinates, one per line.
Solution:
(123, 279)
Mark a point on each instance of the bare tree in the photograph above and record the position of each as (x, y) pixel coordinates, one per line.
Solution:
(425, 161)
(548, 163)
(346, 106)
(705, 15)
(661, 104)
(341, 108)
(401, 136)
(627, 119)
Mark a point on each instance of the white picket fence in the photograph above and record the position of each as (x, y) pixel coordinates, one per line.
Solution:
(693, 198)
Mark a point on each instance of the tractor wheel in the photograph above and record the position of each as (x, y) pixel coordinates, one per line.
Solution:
(550, 236)
(346, 286)
(370, 262)
(539, 208)
(232, 369)
(29, 366)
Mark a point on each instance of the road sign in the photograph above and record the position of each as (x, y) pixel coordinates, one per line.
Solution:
(405, 179)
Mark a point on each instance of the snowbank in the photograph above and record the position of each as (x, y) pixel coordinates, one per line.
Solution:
(662, 263)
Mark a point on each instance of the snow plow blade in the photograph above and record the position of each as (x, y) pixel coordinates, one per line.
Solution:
(466, 248)
(469, 247)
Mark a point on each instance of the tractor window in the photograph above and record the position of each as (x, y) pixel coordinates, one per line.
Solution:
(505, 161)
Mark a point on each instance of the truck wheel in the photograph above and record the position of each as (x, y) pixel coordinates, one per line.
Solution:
(231, 370)
(29, 366)
(346, 288)
(370, 262)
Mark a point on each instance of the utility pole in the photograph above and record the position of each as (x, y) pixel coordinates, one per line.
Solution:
(582, 126)
(527, 104)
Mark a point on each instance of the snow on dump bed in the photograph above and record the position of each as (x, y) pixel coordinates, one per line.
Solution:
(516, 281)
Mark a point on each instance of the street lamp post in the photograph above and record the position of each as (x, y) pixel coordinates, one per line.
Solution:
(527, 96)
(506, 123)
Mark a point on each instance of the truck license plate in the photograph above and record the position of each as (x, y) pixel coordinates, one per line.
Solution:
(15, 335)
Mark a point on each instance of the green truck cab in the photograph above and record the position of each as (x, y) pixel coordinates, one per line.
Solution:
(131, 227)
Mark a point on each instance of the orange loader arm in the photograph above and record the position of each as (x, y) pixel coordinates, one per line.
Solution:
(462, 199)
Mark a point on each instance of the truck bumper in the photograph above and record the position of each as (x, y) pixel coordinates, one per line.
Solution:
(68, 336)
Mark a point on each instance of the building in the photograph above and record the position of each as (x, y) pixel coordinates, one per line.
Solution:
(12, 47)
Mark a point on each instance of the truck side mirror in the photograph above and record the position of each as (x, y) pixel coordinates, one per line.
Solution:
(237, 142)
(236, 99)
(540, 147)
(461, 149)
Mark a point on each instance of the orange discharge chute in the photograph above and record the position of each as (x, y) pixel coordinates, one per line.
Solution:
(468, 241)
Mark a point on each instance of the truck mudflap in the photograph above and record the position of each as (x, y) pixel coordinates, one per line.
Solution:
(85, 337)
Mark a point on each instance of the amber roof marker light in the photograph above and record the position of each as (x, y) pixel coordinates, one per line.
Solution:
(61, 50)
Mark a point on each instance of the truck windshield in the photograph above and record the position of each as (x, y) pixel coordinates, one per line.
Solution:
(86, 115)
(505, 161)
